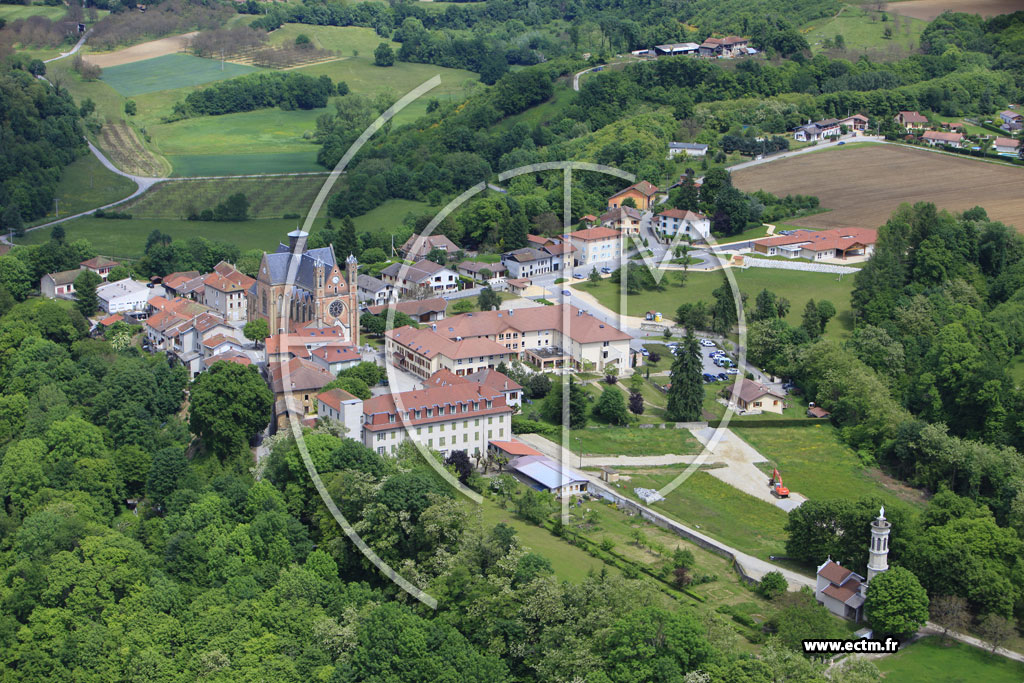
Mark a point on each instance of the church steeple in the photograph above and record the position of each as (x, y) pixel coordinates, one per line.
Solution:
(878, 557)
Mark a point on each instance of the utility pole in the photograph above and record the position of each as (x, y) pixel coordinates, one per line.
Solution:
(56, 208)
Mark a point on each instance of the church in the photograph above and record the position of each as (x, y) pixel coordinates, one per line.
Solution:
(300, 287)
(843, 591)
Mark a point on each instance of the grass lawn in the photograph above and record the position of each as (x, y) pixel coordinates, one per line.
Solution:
(268, 197)
(252, 132)
(109, 104)
(930, 659)
(568, 561)
(715, 508)
(633, 441)
(968, 128)
(797, 286)
(863, 32)
(127, 238)
(86, 184)
(12, 12)
(188, 165)
(169, 71)
(814, 462)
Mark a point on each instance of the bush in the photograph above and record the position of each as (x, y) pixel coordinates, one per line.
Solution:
(772, 585)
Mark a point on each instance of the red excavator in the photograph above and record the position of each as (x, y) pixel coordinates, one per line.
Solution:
(778, 490)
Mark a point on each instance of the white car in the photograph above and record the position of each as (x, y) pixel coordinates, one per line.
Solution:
(706, 342)
(731, 371)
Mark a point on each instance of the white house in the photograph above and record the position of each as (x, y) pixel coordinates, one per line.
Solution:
(596, 245)
(695, 226)
(421, 277)
(843, 591)
(935, 137)
(126, 295)
(1012, 121)
(819, 130)
(690, 149)
(374, 292)
(1005, 145)
(526, 262)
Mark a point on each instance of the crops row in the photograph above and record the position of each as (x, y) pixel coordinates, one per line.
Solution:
(268, 197)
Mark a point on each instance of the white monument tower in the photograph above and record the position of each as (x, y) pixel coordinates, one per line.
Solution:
(878, 558)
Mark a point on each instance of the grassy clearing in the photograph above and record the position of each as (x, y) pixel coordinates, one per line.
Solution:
(631, 441)
(931, 659)
(127, 238)
(169, 71)
(863, 32)
(13, 12)
(388, 216)
(342, 39)
(817, 464)
(797, 286)
(86, 184)
(716, 509)
(190, 165)
(268, 197)
(568, 561)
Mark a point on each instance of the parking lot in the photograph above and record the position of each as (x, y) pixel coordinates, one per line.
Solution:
(708, 366)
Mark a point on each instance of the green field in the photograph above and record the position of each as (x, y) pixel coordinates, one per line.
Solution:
(169, 71)
(863, 32)
(797, 286)
(188, 165)
(254, 132)
(931, 659)
(341, 39)
(388, 216)
(269, 197)
(632, 441)
(127, 238)
(12, 12)
(716, 509)
(816, 463)
(86, 184)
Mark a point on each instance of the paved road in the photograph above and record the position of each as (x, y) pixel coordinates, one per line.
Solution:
(76, 48)
(576, 76)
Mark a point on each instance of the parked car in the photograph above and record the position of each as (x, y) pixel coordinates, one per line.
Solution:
(606, 270)
(566, 292)
(706, 342)
(732, 371)
(722, 376)
(579, 276)
(843, 142)
(645, 352)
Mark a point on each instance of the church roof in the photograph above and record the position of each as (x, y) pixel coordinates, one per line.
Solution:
(279, 263)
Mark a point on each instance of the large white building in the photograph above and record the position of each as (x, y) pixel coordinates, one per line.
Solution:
(423, 351)
(694, 226)
(461, 416)
(422, 277)
(596, 245)
(126, 295)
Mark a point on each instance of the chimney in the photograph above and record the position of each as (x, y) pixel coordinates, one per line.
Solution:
(297, 241)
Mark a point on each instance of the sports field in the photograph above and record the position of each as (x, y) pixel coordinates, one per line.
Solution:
(863, 185)
(929, 9)
(169, 71)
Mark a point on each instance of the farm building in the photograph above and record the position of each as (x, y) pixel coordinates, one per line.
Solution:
(690, 149)
(677, 49)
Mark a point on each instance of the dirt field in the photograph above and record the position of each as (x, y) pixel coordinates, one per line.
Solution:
(136, 53)
(863, 185)
(929, 9)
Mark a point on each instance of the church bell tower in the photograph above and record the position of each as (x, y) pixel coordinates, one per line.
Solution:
(878, 558)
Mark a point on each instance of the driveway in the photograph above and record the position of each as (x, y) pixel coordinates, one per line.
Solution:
(741, 471)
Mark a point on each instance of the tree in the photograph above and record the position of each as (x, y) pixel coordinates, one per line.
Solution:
(229, 404)
(996, 630)
(686, 395)
(723, 310)
(801, 617)
(36, 67)
(438, 256)
(773, 584)
(629, 202)
(611, 407)
(86, 300)
(130, 108)
(782, 306)
(594, 276)
(15, 277)
(488, 299)
(383, 55)
(826, 311)
(551, 408)
(119, 272)
(234, 208)
(462, 306)
(11, 221)
(811, 322)
(652, 644)
(896, 604)
(303, 41)
(950, 612)
(169, 464)
(538, 385)
(460, 461)
(765, 307)
(256, 330)
(636, 403)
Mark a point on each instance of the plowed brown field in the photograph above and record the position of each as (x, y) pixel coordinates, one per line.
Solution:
(863, 185)
(929, 9)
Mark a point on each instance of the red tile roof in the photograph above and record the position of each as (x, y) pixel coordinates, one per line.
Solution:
(218, 339)
(823, 240)
(175, 280)
(497, 381)
(913, 117)
(428, 343)
(334, 397)
(515, 448)
(337, 353)
(683, 215)
(942, 136)
(444, 377)
(297, 374)
(413, 308)
(111, 319)
(1006, 142)
(643, 187)
(833, 572)
(583, 327)
(228, 357)
(751, 391)
(597, 233)
(99, 262)
(378, 408)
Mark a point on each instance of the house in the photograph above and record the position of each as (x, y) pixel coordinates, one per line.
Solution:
(224, 291)
(695, 226)
(335, 357)
(519, 285)
(473, 270)
(818, 130)
(218, 344)
(857, 122)
(544, 474)
(733, 46)
(541, 335)
(596, 245)
(625, 219)
(309, 284)
(423, 277)
(167, 317)
(462, 416)
(754, 396)
(374, 292)
(59, 285)
(111, 319)
(588, 219)
(174, 282)
(424, 351)
(526, 262)
(911, 120)
(558, 247)
(955, 126)
(1012, 121)
(300, 342)
(712, 47)
(672, 49)
(99, 265)
(843, 591)
(417, 247)
(817, 412)
(500, 382)
(421, 310)
(295, 384)
(690, 149)
(126, 295)
(841, 243)
(935, 137)
(641, 193)
(1006, 145)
